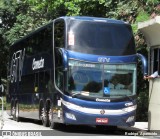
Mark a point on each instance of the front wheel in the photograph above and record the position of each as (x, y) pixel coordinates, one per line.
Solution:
(53, 124)
(12, 111)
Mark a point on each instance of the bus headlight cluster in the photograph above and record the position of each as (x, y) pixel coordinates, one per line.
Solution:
(130, 119)
(70, 116)
(131, 108)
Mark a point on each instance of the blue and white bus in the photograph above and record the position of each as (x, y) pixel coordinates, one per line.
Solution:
(75, 70)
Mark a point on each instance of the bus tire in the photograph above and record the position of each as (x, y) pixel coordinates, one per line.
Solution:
(12, 108)
(43, 115)
(13, 112)
(16, 113)
(49, 113)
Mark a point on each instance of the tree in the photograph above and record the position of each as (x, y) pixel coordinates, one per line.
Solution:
(17, 20)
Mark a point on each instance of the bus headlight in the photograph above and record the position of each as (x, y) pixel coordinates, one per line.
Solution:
(130, 119)
(70, 116)
(131, 108)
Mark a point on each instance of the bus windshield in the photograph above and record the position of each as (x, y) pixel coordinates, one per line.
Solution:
(100, 38)
(101, 80)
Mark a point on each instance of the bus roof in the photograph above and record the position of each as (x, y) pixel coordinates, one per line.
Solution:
(96, 19)
(82, 18)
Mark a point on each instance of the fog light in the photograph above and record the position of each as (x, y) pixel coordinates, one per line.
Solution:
(130, 119)
(70, 116)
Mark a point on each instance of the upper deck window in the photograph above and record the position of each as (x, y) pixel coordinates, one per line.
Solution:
(38, 42)
(100, 38)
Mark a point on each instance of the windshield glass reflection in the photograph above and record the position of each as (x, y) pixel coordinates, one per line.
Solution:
(98, 80)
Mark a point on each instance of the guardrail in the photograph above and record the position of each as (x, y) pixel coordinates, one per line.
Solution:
(1, 114)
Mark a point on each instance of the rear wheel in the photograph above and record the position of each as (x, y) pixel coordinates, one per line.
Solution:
(50, 116)
(13, 112)
(43, 115)
(16, 112)
(12, 109)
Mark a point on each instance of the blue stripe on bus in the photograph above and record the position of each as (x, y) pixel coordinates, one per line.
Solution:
(97, 105)
(107, 59)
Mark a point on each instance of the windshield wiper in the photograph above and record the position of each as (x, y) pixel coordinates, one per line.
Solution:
(84, 93)
(130, 98)
(75, 94)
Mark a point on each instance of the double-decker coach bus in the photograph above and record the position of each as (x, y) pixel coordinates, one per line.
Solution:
(75, 70)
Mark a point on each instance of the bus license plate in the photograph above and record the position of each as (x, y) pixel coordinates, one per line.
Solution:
(102, 120)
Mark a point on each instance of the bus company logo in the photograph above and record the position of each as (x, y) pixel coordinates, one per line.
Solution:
(103, 59)
(102, 112)
(103, 100)
(16, 65)
(38, 64)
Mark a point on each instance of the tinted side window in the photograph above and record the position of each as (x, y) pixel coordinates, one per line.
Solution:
(59, 34)
(27, 84)
(39, 42)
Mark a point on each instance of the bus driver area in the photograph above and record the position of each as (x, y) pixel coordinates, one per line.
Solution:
(109, 83)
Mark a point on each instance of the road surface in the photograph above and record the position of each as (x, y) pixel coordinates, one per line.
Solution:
(30, 127)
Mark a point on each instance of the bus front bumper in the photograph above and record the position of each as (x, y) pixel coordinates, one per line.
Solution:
(76, 117)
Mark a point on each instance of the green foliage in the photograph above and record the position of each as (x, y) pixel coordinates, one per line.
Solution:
(23, 26)
(142, 107)
(72, 7)
(124, 10)
(142, 16)
(152, 2)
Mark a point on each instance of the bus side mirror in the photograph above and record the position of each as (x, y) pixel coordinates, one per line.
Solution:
(144, 64)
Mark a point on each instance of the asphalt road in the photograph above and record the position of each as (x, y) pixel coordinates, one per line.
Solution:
(36, 127)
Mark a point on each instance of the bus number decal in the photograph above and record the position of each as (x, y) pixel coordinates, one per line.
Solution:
(71, 38)
(17, 65)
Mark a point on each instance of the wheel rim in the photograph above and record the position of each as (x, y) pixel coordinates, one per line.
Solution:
(13, 111)
(43, 115)
(17, 113)
(50, 116)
